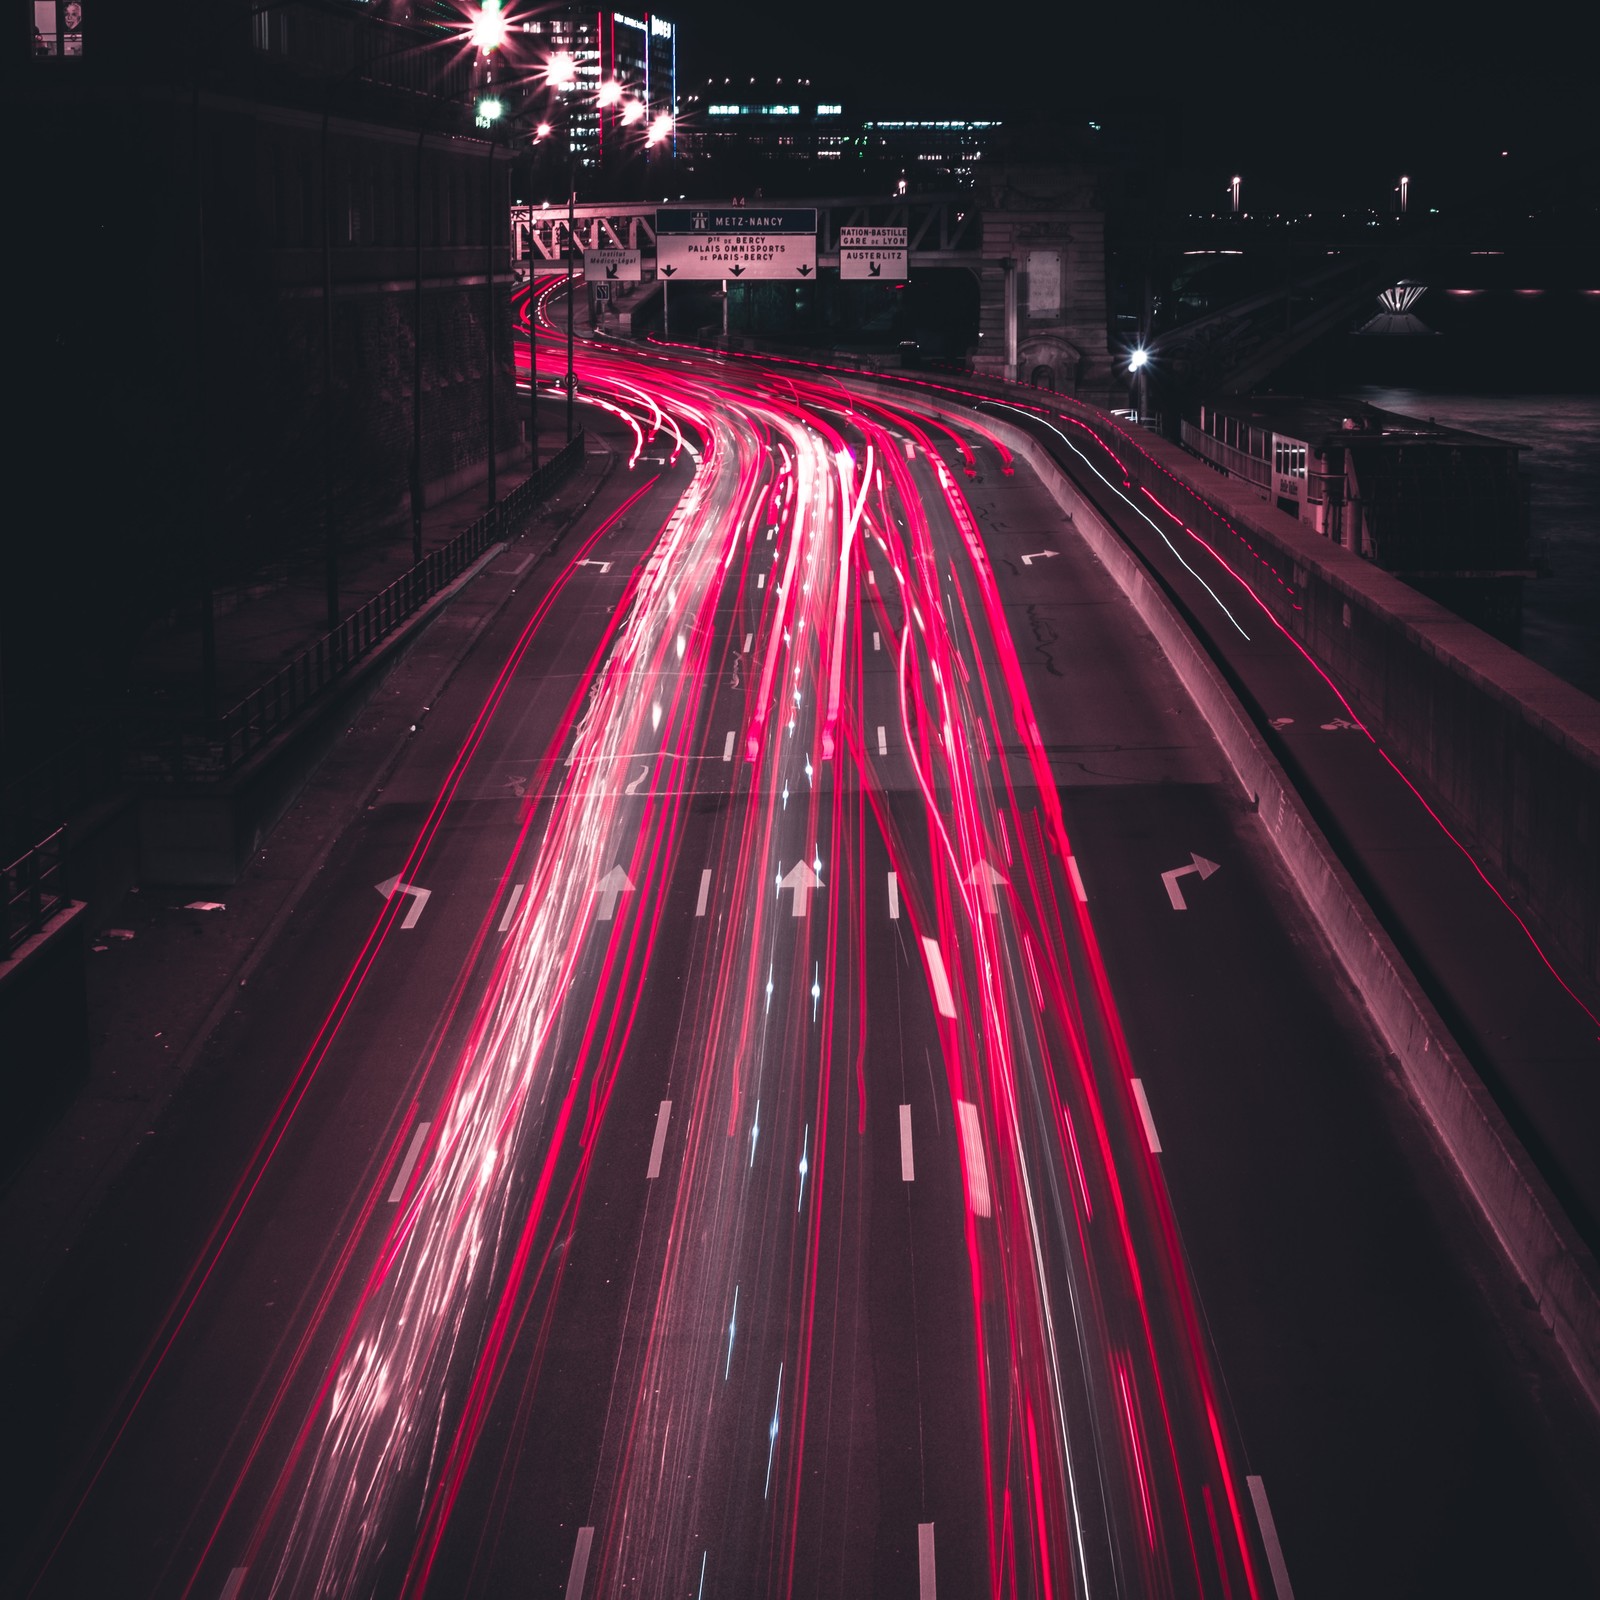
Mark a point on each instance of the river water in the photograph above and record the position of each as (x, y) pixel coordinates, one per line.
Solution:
(1560, 436)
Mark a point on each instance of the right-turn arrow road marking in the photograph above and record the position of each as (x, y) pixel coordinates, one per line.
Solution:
(1170, 879)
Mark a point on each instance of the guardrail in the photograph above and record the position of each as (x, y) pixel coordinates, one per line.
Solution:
(78, 775)
(201, 751)
(32, 890)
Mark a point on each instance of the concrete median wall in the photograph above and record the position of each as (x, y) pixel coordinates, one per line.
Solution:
(1524, 1216)
(1507, 752)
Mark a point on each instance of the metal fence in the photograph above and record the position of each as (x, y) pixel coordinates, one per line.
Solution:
(32, 890)
(201, 751)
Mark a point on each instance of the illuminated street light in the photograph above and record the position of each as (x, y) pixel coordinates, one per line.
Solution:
(633, 112)
(488, 28)
(489, 112)
(1138, 359)
(561, 71)
(610, 93)
(543, 131)
(660, 129)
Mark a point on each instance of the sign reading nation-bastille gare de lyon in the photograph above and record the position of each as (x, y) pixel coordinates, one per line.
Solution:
(737, 242)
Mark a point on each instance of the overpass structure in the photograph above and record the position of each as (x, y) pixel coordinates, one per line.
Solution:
(1032, 237)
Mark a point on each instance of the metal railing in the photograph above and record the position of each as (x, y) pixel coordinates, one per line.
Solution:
(202, 751)
(32, 890)
(1237, 463)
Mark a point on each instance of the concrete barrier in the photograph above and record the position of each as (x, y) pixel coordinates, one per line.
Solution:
(1530, 1226)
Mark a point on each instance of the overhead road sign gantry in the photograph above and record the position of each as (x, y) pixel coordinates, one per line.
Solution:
(738, 242)
(866, 253)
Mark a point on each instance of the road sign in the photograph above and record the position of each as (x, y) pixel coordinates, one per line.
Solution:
(602, 293)
(873, 253)
(612, 266)
(703, 242)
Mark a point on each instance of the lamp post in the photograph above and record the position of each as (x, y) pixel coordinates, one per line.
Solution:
(489, 112)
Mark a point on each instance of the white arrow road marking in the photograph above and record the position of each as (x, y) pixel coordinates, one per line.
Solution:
(579, 1569)
(604, 566)
(883, 741)
(659, 1143)
(1145, 1117)
(1039, 555)
(1340, 725)
(615, 882)
(1198, 864)
(727, 747)
(230, 1590)
(986, 880)
(1269, 1537)
(908, 1167)
(511, 907)
(419, 898)
(940, 979)
(705, 889)
(1281, 722)
(972, 1158)
(802, 879)
(403, 1176)
(927, 1585)
(894, 896)
(1077, 880)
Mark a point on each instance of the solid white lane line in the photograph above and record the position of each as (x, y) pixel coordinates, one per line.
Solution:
(1145, 1117)
(403, 1176)
(943, 998)
(911, 455)
(230, 1590)
(761, 580)
(927, 1587)
(908, 1167)
(659, 1143)
(749, 639)
(705, 889)
(972, 1158)
(1077, 880)
(877, 640)
(894, 896)
(872, 577)
(1269, 1537)
(580, 1564)
(511, 907)
(883, 741)
(727, 747)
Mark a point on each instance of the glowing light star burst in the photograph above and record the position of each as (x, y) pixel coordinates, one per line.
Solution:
(488, 27)
(561, 71)
(633, 112)
(610, 93)
(660, 129)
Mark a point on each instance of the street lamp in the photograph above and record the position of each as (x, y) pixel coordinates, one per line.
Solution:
(490, 110)
(487, 29)
(1138, 363)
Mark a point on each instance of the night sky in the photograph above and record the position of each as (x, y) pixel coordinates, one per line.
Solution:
(1329, 99)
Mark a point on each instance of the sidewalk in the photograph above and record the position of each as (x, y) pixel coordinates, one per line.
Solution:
(165, 965)
(262, 626)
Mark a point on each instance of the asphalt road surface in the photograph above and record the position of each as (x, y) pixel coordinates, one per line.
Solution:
(807, 1080)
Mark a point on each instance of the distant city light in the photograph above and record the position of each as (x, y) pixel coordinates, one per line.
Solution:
(488, 28)
(542, 131)
(610, 93)
(633, 112)
(660, 129)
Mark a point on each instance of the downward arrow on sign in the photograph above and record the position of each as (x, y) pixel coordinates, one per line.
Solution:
(615, 882)
(419, 897)
(1170, 879)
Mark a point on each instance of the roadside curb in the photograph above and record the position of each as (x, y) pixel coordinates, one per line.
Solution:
(1527, 1222)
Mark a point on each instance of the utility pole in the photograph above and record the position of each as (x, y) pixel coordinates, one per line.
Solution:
(491, 319)
(572, 206)
(416, 363)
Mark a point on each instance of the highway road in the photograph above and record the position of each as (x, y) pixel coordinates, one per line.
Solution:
(806, 1080)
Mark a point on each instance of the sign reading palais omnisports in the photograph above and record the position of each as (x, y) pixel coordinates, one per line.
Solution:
(737, 242)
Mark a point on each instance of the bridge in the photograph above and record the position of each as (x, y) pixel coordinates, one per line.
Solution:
(1032, 237)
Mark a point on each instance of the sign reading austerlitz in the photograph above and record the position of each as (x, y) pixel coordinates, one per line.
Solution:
(873, 253)
(611, 265)
(737, 242)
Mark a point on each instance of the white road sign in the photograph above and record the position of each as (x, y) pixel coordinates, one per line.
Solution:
(873, 253)
(612, 266)
(702, 242)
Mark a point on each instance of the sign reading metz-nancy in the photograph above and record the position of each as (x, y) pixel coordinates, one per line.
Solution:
(737, 242)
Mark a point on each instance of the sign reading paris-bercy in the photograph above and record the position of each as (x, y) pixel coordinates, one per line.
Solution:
(701, 242)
